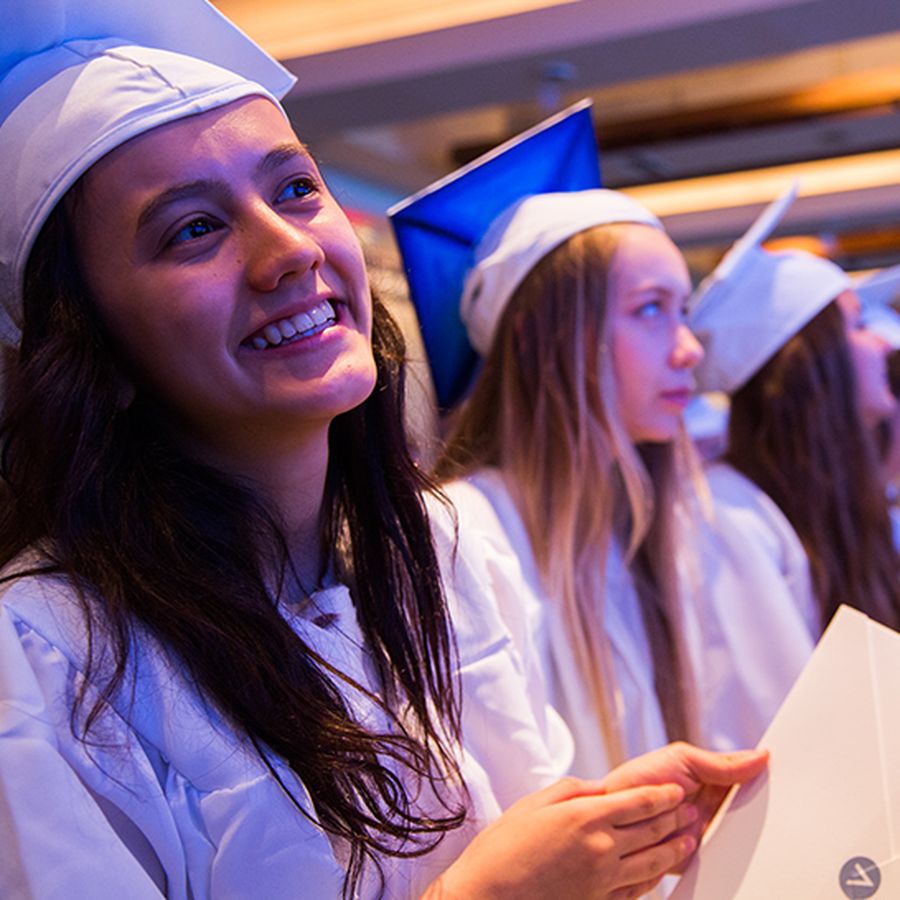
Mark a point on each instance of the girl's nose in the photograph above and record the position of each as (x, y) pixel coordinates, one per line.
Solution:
(688, 351)
(277, 248)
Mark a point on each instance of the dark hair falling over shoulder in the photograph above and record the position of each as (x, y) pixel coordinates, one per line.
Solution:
(795, 430)
(150, 538)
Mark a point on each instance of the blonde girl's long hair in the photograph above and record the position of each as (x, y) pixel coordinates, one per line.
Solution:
(544, 411)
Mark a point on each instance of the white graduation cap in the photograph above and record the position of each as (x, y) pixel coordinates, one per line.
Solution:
(877, 293)
(755, 301)
(439, 227)
(521, 237)
(469, 239)
(80, 77)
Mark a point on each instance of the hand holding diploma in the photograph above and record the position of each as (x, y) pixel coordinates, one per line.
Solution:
(704, 776)
(824, 822)
(614, 838)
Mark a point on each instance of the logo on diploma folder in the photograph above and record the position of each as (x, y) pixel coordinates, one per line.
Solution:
(860, 878)
(839, 787)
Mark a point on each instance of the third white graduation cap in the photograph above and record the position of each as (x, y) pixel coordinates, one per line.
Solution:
(756, 300)
(878, 292)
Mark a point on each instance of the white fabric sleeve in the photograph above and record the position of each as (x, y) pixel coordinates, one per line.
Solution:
(57, 841)
(752, 603)
(507, 726)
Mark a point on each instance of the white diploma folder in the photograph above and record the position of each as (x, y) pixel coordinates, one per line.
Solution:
(824, 820)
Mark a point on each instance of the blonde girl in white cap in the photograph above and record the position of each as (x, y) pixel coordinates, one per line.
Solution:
(801, 523)
(239, 656)
(572, 431)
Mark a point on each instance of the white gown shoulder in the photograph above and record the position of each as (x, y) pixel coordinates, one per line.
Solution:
(537, 622)
(166, 801)
(508, 722)
(755, 611)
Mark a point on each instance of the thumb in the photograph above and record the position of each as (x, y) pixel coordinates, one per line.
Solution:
(560, 791)
(738, 766)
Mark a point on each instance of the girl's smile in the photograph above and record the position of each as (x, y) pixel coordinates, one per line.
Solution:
(230, 278)
(288, 330)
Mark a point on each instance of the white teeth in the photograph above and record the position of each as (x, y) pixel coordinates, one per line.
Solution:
(272, 334)
(275, 333)
(302, 322)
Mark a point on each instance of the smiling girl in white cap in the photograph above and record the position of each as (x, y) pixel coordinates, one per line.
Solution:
(239, 656)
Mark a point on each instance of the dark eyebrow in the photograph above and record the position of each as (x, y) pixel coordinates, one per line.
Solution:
(283, 153)
(173, 194)
(278, 156)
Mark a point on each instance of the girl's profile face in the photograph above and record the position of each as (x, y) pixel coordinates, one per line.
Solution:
(228, 275)
(869, 353)
(653, 351)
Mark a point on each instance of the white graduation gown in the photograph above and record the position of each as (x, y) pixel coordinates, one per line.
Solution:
(535, 621)
(755, 612)
(171, 802)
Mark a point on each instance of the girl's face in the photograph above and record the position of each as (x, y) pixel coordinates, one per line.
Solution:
(653, 351)
(868, 352)
(230, 278)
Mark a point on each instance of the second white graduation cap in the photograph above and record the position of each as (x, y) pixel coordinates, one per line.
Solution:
(756, 300)
(439, 228)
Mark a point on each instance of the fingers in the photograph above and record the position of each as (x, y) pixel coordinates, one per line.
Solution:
(614, 844)
(687, 815)
(688, 766)
(639, 804)
(632, 820)
(641, 871)
(631, 839)
(558, 792)
(708, 767)
(712, 768)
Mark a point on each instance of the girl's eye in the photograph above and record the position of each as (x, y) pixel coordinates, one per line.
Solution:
(649, 310)
(196, 228)
(297, 189)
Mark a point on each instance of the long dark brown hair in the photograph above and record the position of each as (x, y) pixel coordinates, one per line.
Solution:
(153, 540)
(796, 431)
(544, 410)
